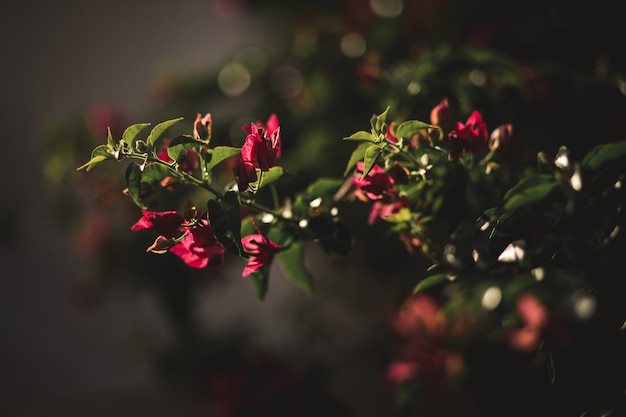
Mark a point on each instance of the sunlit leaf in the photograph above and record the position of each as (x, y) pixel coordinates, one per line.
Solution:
(408, 129)
(357, 155)
(371, 156)
(158, 130)
(132, 131)
(274, 173)
(99, 154)
(218, 154)
(361, 136)
(378, 122)
(292, 261)
(180, 144)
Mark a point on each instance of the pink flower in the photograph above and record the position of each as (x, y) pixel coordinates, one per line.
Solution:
(200, 248)
(262, 145)
(534, 317)
(164, 223)
(470, 137)
(376, 184)
(381, 210)
(202, 127)
(261, 251)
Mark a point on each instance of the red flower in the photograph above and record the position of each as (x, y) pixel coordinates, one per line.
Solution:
(262, 251)
(469, 137)
(376, 184)
(165, 223)
(245, 173)
(200, 248)
(381, 210)
(262, 145)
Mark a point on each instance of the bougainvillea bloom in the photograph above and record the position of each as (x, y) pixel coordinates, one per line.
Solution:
(376, 184)
(262, 145)
(164, 223)
(534, 317)
(200, 248)
(381, 210)
(261, 251)
(470, 137)
(245, 173)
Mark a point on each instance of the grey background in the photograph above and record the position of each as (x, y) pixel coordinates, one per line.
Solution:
(56, 58)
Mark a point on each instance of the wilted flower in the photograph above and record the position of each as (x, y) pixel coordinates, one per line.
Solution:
(164, 223)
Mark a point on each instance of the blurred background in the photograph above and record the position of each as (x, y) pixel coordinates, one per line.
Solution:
(91, 325)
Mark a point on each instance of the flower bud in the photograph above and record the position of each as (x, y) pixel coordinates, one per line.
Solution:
(501, 138)
(202, 127)
(441, 115)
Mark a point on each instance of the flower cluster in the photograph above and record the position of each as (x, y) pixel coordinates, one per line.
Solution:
(504, 250)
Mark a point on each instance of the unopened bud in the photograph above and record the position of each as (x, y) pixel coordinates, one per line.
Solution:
(202, 127)
(441, 115)
(501, 138)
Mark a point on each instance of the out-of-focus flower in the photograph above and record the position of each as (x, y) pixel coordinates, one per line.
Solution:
(380, 210)
(262, 146)
(441, 115)
(470, 137)
(425, 331)
(376, 184)
(501, 138)
(261, 251)
(534, 317)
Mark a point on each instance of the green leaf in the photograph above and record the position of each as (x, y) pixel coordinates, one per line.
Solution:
(408, 129)
(225, 219)
(158, 130)
(324, 186)
(357, 155)
(133, 182)
(361, 136)
(292, 261)
(530, 195)
(603, 154)
(378, 122)
(430, 282)
(529, 182)
(260, 282)
(218, 154)
(371, 156)
(272, 175)
(154, 173)
(99, 154)
(180, 144)
(131, 133)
